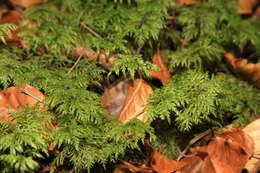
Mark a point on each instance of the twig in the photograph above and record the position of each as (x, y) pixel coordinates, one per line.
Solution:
(91, 31)
(32, 95)
(74, 65)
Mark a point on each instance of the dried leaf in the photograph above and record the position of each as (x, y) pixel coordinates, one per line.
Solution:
(12, 17)
(136, 99)
(201, 162)
(14, 97)
(127, 167)
(253, 130)
(188, 2)
(163, 164)
(233, 147)
(26, 3)
(163, 73)
(114, 96)
(246, 6)
(249, 72)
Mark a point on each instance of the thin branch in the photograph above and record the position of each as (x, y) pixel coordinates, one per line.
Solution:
(91, 31)
(74, 65)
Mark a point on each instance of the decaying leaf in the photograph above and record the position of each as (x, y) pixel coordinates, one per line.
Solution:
(114, 97)
(127, 167)
(228, 152)
(162, 73)
(246, 6)
(247, 71)
(14, 97)
(253, 130)
(136, 99)
(163, 164)
(26, 3)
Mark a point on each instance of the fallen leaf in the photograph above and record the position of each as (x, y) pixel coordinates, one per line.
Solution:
(247, 71)
(163, 164)
(253, 130)
(14, 97)
(163, 73)
(203, 163)
(136, 99)
(26, 3)
(233, 147)
(12, 17)
(127, 167)
(246, 6)
(188, 2)
(114, 96)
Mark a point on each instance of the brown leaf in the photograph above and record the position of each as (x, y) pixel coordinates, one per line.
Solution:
(26, 3)
(127, 167)
(233, 147)
(114, 96)
(249, 72)
(188, 2)
(201, 162)
(14, 97)
(12, 17)
(253, 130)
(136, 99)
(246, 6)
(163, 73)
(163, 164)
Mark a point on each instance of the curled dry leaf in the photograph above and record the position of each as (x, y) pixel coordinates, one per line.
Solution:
(14, 97)
(225, 153)
(136, 99)
(163, 73)
(114, 97)
(201, 162)
(26, 3)
(246, 6)
(253, 130)
(247, 71)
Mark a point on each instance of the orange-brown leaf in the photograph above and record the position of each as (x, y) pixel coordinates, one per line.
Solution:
(114, 96)
(163, 164)
(188, 2)
(247, 71)
(136, 99)
(201, 162)
(253, 130)
(26, 3)
(127, 167)
(12, 17)
(163, 73)
(246, 6)
(14, 97)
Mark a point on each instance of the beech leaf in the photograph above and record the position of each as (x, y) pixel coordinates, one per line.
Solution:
(247, 71)
(136, 99)
(188, 2)
(253, 130)
(163, 73)
(14, 97)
